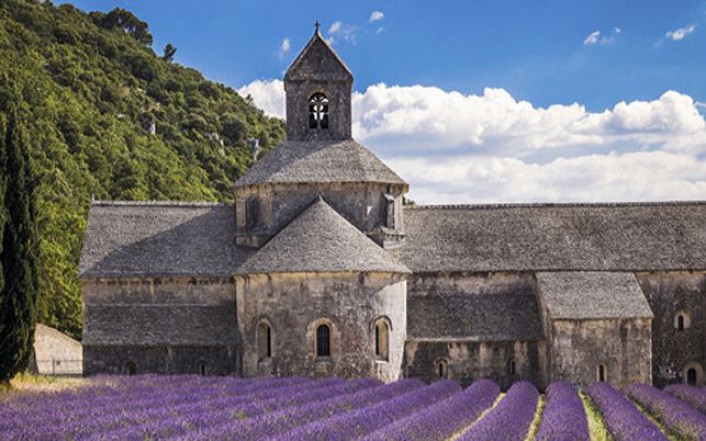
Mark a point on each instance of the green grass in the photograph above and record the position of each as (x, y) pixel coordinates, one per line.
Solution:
(596, 426)
(534, 427)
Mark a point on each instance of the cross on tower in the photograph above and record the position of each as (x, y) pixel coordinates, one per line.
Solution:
(317, 25)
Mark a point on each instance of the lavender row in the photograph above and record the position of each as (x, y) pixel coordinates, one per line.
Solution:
(675, 414)
(199, 419)
(510, 419)
(694, 396)
(564, 417)
(89, 402)
(63, 424)
(275, 423)
(623, 420)
(357, 424)
(444, 419)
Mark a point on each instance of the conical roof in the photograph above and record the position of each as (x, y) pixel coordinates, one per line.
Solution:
(319, 161)
(317, 61)
(320, 240)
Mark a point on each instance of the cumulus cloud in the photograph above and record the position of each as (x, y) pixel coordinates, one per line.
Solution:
(376, 15)
(681, 33)
(491, 147)
(284, 48)
(268, 95)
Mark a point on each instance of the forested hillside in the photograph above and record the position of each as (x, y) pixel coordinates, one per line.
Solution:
(108, 118)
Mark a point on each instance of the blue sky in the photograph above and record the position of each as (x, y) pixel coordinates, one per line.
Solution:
(534, 50)
(483, 100)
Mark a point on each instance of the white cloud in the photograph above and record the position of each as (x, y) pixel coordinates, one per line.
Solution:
(680, 33)
(617, 30)
(284, 48)
(455, 148)
(376, 15)
(592, 38)
(596, 38)
(340, 30)
(268, 95)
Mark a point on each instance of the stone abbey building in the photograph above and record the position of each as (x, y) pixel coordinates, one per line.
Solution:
(319, 269)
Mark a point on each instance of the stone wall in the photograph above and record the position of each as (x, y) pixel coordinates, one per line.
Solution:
(362, 204)
(676, 350)
(161, 325)
(162, 359)
(56, 353)
(622, 346)
(294, 304)
(469, 360)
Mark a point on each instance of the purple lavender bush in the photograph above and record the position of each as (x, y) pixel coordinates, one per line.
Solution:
(676, 415)
(623, 420)
(692, 395)
(564, 418)
(272, 424)
(443, 419)
(510, 419)
(354, 425)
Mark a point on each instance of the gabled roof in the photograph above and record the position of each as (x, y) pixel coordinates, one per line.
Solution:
(592, 295)
(545, 237)
(320, 240)
(319, 161)
(317, 61)
(483, 316)
(159, 239)
(165, 324)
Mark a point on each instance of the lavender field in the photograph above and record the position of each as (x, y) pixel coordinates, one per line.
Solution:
(152, 407)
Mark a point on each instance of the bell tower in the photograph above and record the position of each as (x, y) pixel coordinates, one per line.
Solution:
(318, 93)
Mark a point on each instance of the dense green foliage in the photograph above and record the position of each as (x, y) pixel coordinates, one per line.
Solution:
(19, 256)
(108, 118)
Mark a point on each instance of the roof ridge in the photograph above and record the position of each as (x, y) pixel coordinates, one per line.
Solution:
(194, 204)
(553, 205)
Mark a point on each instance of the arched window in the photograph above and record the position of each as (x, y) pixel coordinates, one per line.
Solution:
(693, 374)
(264, 341)
(602, 373)
(130, 368)
(202, 368)
(682, 321)
(442, 368)
(382, 339)
(318, 111)
(323, 341)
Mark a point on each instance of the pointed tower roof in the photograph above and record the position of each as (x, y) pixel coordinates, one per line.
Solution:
(317, 61)
(320, 240)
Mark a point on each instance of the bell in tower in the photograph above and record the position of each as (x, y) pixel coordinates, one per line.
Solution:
(318, 93)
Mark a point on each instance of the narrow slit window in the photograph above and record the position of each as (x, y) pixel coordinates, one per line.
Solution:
(203, 369)
(130, 368)
(602, 374)
(264, 341)
(442, 368)
(382, 338)
(691, 377)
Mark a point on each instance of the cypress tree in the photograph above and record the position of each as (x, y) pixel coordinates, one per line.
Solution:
(18, 295)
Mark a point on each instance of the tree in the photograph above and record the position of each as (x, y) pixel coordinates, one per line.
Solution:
(19, 255)
(169, 52)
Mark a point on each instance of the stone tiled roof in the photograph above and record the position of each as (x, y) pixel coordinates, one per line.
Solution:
(546, 237)
(319, 161)
(159, 239)
(320, 240)
(592, 295)
(191, 325)
(474, 316)
(318, 61)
